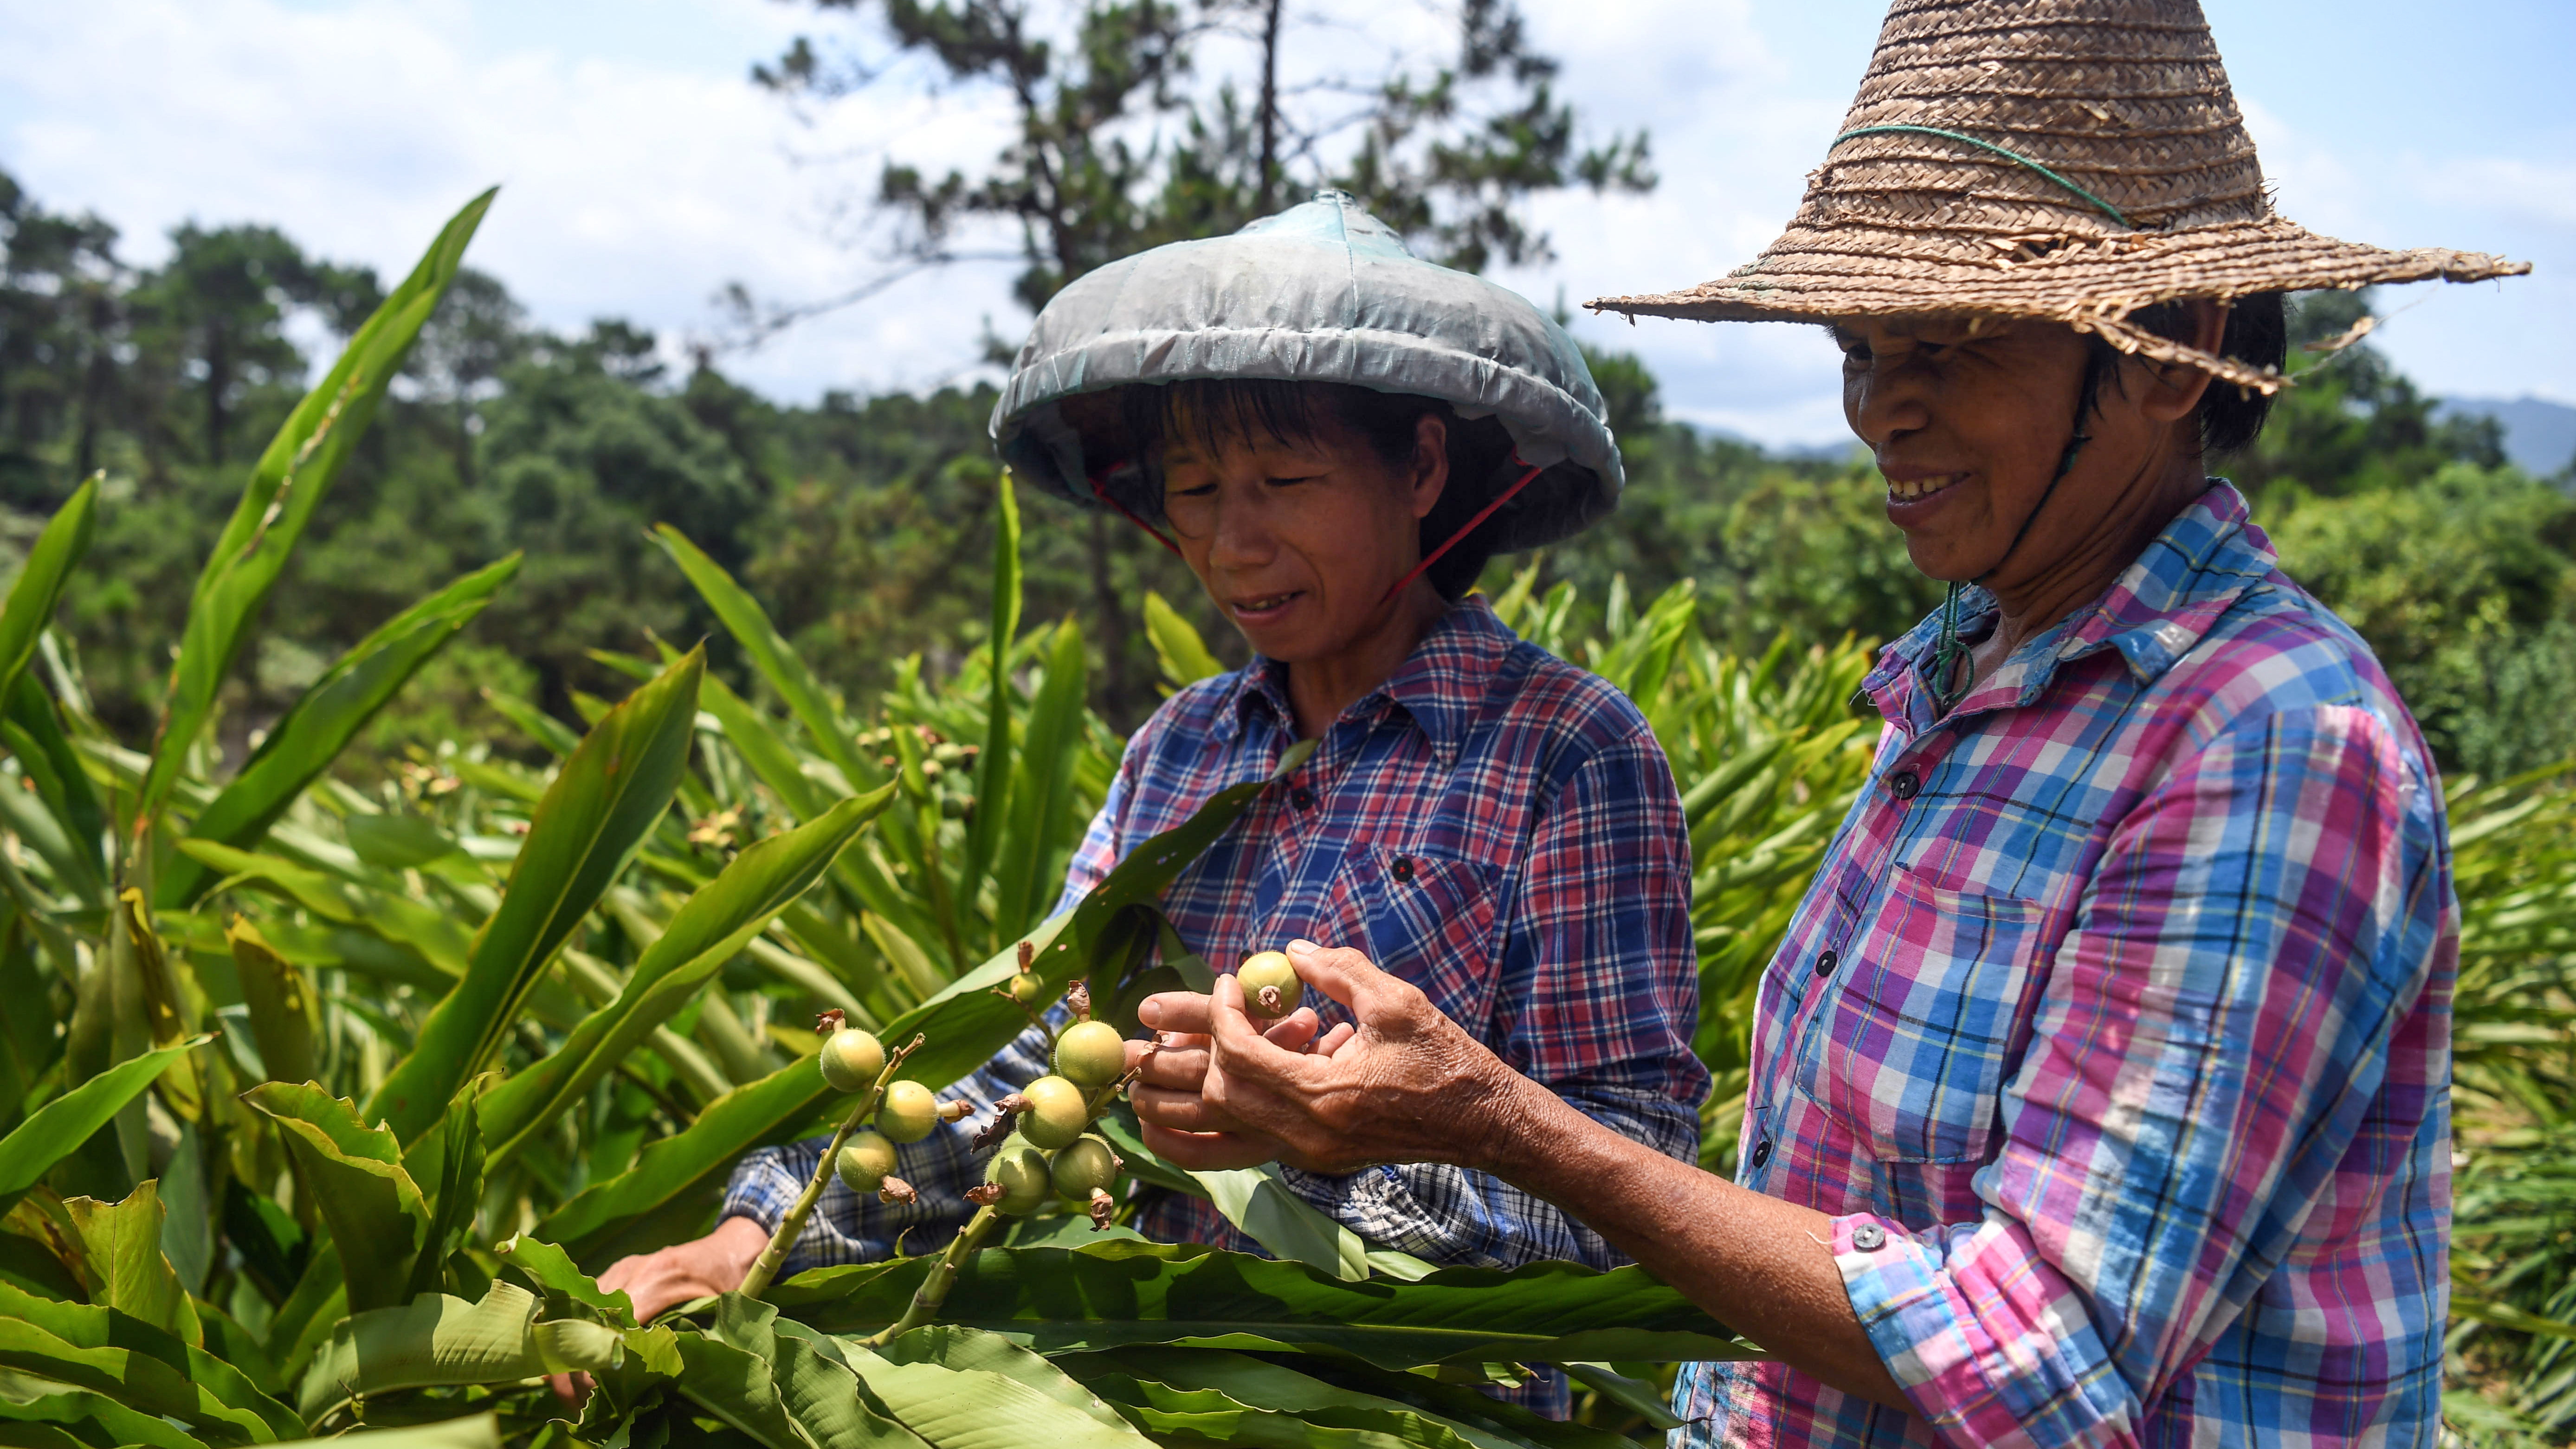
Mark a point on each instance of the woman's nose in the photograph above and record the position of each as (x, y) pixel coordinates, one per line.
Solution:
(1885, 398)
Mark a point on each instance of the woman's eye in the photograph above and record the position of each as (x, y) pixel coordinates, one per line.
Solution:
(1286, 482)
(1204, 490)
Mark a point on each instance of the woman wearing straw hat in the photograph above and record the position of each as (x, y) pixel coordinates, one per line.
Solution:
(2100, 1084)
(1335, 436)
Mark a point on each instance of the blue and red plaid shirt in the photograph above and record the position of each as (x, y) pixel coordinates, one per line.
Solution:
(1492, 824)
(2115, 1034)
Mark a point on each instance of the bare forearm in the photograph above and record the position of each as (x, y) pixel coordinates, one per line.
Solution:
(1763, 1267)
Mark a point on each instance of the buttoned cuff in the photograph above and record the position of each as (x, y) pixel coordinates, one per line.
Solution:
(1989, 1346)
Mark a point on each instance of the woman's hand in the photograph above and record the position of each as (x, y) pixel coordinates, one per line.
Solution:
(1403, 1084)
(1179, 1123)
(680, 1273)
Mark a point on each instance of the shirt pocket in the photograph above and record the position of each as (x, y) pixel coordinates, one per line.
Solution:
(1911, 1047)
(1426, 918)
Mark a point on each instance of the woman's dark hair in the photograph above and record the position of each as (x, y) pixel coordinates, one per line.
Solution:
(2258, 334)
(1213, 411)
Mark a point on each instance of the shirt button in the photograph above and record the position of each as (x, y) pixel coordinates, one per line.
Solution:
(1903, 784)
(1403, 867)
(1826, 963)
(1761, 1152)
(1302, 798)
(1869, 1237)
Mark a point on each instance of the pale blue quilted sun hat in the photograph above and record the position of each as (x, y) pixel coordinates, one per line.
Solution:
(1322, 292)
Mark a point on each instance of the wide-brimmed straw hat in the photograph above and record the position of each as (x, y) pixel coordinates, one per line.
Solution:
(2066, 160)
(1321, 292)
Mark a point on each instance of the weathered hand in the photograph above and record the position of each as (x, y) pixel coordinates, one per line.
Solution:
(654, 1282)
(1178, 1121)
(1408, 1085)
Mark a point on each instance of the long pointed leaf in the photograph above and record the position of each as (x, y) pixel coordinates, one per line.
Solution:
(603, 803)
(710, 928)
(436, 1340)
(285, 487)
(377, 1214)
(1043, 786)
(325, 718)
(771, 654)
(993, 766)
(58, 550)
(57, 1129)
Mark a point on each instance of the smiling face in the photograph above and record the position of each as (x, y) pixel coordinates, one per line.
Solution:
(1298, 540)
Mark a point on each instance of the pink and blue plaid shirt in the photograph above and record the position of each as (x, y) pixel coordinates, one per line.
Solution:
(1493, 825)
(2115, 1034)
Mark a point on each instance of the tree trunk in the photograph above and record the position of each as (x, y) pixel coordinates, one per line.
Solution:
(1270, 107)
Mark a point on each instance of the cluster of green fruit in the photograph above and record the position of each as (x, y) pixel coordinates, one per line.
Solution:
(1046, 1148)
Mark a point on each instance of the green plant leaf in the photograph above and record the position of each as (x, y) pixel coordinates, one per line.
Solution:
(1247, 1400)
(280, 1002)
(970, 1350)
(50, 561)
(1042, 786)
(1177, 646)
(71, 829)
(57, 1129)
(776, 660)
(123, 1425)
(475, 1431)
(122, 1242)
(102, 1350)
(325, 718)
(285, 487)
(439, 1341)
(709, 929)
(993, 764)
(1055, 1300)
(595, 815)
(422, 930)
(377, 1215)
(552, 1269)
(956, 1406)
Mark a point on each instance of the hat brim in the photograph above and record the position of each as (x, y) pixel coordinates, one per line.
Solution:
(2093, 284)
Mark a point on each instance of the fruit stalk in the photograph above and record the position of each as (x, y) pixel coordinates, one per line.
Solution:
(791, 1227)
(943, 1276)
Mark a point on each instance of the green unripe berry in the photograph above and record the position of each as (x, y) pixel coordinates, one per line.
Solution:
(1056, 1114)
(1025, 988)
(1091, 1053)
(851, 1059)
(865, 1161)
(1270, 984)
(1020, 1171)
(1086, 1167)
(910, 1111)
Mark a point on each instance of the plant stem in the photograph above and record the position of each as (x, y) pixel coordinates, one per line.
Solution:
(943, 1276)
(791, 1227)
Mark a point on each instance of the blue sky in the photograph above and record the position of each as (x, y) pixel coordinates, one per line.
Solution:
(642, 171)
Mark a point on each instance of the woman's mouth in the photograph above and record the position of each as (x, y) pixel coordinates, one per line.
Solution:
(1262, 608)
(1910, 490)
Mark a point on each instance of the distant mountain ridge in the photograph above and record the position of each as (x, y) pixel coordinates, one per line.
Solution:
(2539, 435)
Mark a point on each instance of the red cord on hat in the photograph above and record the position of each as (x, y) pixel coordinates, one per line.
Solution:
(1470, 527)
(1105, 496)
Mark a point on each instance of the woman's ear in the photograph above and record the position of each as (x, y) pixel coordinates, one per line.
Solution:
(1428, 477)
(2177, 387)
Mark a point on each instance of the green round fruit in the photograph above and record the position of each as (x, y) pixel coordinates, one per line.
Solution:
(852, 1059)
(1057, 1112)
(1085, 1167)
(1269, 970)
(1091, 1053)
(1020, 1171)
(1025, 988)
(864, 1163)
(909, 1113)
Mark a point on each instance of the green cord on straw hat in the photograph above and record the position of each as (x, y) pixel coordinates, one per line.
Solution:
(2016, 157)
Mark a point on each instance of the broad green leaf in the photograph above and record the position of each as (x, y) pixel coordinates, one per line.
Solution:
(708, 930)
(395, 841)
(132, 1275)
(57, 551)
(1054, 1300)
(1637, 1396)
(53, 1131)
(817, 1390)
(285, 487)
(70, 830)
(281, 1004)
(1251, 1401)
(993, 764)
(553, 1270)
(449, 1165)
(1026, 865)
(100, 1349)
(1258, 1201)
(1177, 646)
(438, 1341)
(739, 1389)
(973, 1350)
(124, 1425)
(769, 652)
(594, 817)
(476, 1431)
(772, 761)
(325, 718)
(540, 726)
(426, 931)
(978, 1408)
(378, 1217)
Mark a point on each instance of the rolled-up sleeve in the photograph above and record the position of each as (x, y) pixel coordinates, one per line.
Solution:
(2205, 1053)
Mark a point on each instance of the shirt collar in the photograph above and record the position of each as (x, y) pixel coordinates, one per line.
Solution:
(1440, 686)
(2162, 604)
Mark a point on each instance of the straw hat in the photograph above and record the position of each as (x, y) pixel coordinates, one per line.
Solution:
(2065, 160)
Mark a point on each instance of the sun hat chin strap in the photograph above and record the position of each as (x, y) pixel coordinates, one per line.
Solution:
(1105, 496)
(1466, 528)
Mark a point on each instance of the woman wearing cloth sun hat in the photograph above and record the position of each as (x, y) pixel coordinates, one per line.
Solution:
(2100, 1084)
(1335, 436)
